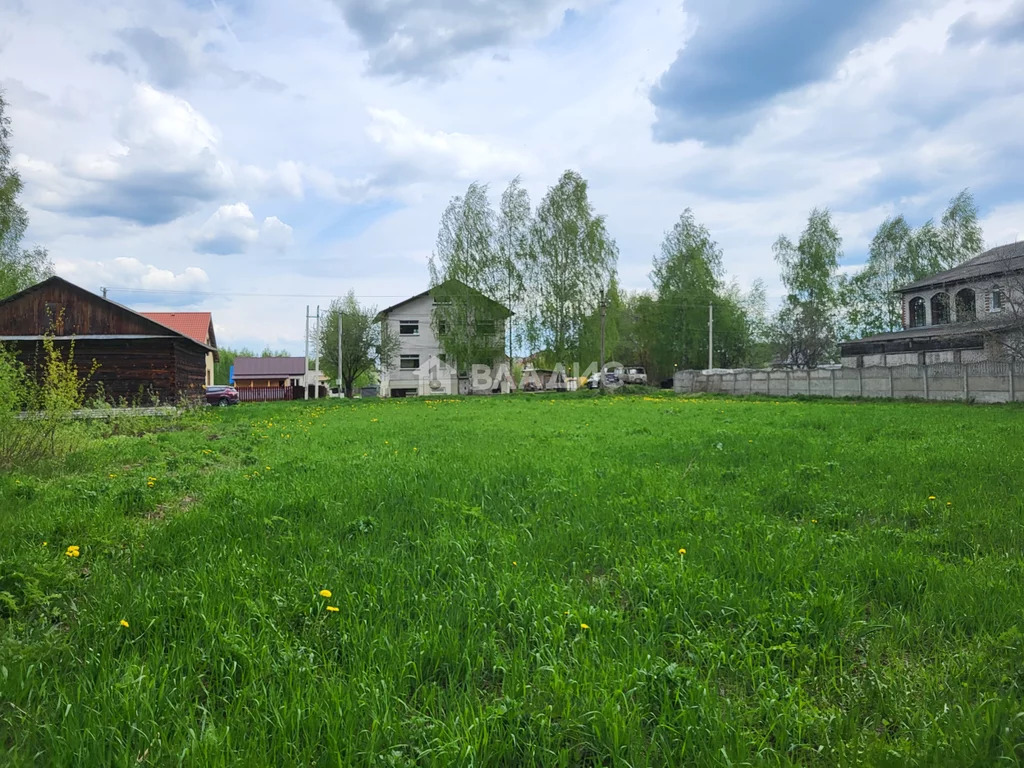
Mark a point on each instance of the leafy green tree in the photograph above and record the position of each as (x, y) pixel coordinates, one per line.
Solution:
(514, 253)
(806, 326)
(366, 343)
(686, 276)
(466, 278)
(870, 298)
(19, 268)
(575, 260)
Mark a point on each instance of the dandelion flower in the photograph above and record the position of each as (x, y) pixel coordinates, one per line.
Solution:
(682, 550)
(44, 543)
(515, 563)
(948, 504)
(584, 626)
(931, 498)
(124, 623)
(151, 484)
(72, 551)
(325, 593)
(332, 609)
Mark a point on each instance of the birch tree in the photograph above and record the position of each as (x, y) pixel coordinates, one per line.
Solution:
(575, 259)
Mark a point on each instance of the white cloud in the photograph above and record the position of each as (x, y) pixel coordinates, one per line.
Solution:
(126, 275)
(234, 229)
(438, 152)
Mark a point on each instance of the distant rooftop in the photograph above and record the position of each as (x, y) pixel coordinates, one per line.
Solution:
(269, 367)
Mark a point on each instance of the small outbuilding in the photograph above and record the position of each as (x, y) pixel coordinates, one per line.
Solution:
(137, 358)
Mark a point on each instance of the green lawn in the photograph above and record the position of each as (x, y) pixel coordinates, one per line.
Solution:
(511, 586)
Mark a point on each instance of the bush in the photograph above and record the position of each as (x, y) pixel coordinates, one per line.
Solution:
(36, 416)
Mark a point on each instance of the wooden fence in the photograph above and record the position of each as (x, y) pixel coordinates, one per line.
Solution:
(986, 382)
(265, 394)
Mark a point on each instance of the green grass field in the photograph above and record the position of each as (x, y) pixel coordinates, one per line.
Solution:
(512, 588)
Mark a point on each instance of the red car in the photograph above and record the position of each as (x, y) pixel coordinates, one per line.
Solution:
(221, 395)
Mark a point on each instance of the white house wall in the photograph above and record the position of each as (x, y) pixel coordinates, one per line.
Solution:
(432, 377)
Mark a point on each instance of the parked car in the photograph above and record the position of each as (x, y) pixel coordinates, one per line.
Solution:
(634, 375)
(221, 395)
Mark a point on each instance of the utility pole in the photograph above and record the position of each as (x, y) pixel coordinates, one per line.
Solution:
(316, 379)
(305, 369)
(341, 381)
(711, 336)
(604, 309)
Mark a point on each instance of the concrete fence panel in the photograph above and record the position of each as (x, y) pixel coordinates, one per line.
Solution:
(982, 382)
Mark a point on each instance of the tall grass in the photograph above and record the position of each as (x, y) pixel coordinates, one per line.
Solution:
(566, 581)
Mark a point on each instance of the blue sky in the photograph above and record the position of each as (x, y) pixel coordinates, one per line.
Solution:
(193, 150)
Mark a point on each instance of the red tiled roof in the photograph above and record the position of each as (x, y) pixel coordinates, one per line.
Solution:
(195, 325)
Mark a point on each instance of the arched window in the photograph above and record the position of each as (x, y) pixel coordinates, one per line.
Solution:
(996, 303)
(966, 308)
(917, 312)
(940, 309)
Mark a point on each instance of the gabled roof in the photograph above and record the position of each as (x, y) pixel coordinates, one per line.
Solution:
(269, 367)
(993, 262)
(197, 325)
(153, 328)
(447, 285)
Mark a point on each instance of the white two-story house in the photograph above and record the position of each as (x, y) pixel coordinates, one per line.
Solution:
(962, 315)
(420, 365)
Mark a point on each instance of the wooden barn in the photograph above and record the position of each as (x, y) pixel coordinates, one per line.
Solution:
(138, 358)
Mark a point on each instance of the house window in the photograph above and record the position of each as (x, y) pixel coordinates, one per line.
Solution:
(403, 393)
(966, 307)
(918, 316)
(408, 327)
(940, 309)
(409, 362)
(442, 328)
(996, 303)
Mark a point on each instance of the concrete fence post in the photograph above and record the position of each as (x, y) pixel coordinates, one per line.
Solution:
(833, 372)
(787, 382)
(1013, 384)
(808, 381)
(892, 392)
(924, 370)
(967, 382)
(860, 382)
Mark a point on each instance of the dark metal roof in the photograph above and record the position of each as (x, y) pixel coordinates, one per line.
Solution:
(938, 331)
(996, 261)
(269, 367)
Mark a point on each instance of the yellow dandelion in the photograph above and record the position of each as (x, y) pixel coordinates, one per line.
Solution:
(584, 626)
(44, 543)
(332, 609)
(682, 550)
(814, 520)
(325, 593)
(514, 563)
(267, 467)
(151, 484)
(931, 498)
(124, 623)
(949, 503)
(112, 475)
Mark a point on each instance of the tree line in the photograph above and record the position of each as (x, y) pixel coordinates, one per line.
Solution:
(555, 268)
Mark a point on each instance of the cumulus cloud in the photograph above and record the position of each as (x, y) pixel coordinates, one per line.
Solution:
(164, 162)
(742, 54)
(234, 229)
(412, 38)
(439, 152)
(132, 282)
(172, 63)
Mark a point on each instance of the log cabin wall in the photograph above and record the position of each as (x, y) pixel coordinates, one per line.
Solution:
(134, 369)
